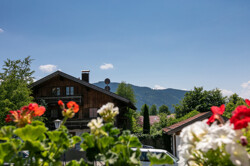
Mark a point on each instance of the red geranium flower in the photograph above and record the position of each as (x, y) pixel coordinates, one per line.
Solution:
(216, 112)
(60, 103)
(25, 114)
(39, 111)
(8, 118)
(241, 123)
(241, 117)
(248, 102)
(73, 105)
(32, 106)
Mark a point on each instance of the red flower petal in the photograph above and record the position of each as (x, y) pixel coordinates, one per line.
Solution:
(32, 106)
(8, 118)
(248, 102)
(242, 123)
(74, 105)
(211, 119)
(60, 103)
(39, 111)
(218, 110)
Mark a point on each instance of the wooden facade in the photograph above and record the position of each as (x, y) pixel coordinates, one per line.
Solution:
(60, 86)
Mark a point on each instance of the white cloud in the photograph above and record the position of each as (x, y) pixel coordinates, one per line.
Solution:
(1, 30)
(226, 92)
(48, 68)
(245, 93)
(106, 66)
(246, 85)
(158, 87)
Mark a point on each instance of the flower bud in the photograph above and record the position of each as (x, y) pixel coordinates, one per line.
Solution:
(243, 140)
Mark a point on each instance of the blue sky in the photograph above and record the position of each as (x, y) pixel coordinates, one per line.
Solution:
(166, 44)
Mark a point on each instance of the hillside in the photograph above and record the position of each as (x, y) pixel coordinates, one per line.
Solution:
(150, 96)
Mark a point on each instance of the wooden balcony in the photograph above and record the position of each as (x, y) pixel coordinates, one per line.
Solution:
(54, 99)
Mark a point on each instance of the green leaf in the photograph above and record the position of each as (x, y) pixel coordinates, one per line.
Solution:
(76, 139)
(33, 146)
(6, 152)
(37, 123)
(107, 127)
(88, 141)
(30, 132)
(114, 132)
(6, 132)
(105, 142)
(73, 163)
(134, 142)
(159, 159)
(60, 138)
(109, 157)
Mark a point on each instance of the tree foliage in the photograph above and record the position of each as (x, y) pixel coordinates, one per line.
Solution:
(200, 100)
(233, 101)
(146, 122)
(156, 128)
(173, 120)
(14, 91)
(126, 91)
(164, 109)
(153, 110)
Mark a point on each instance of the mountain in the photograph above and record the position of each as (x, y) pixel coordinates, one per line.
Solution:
(146, 95)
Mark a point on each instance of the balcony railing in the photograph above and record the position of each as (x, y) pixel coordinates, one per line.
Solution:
(54, 99)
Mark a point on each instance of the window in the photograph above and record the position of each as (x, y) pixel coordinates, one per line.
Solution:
(56, 91)
(69, 90)
(93, 112)
(54, 113)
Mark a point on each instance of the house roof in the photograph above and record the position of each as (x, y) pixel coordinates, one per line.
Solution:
(179, 126)
(60, 73)
(152, 119)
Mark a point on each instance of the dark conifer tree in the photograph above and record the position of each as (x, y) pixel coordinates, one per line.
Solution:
(146, 123)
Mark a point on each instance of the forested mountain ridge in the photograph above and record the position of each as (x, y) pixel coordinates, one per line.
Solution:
(146, 95)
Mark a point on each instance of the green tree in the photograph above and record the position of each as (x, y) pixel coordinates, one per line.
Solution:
(153, 110)
(156, 128)
(14, 91)
(126, 91)
(233, 101)
(146, 123)
(200, 100)
(164, 109)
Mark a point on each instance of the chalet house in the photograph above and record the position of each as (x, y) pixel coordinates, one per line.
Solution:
(171, 134)
(61, 86)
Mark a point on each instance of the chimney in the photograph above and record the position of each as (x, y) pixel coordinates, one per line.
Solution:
(85, 75)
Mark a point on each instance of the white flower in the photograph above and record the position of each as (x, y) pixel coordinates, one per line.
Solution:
(238, 154)
(108, 112)
(216, 137)
(95, 126)
(194, 132)
(185, 153)
(190, 136)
